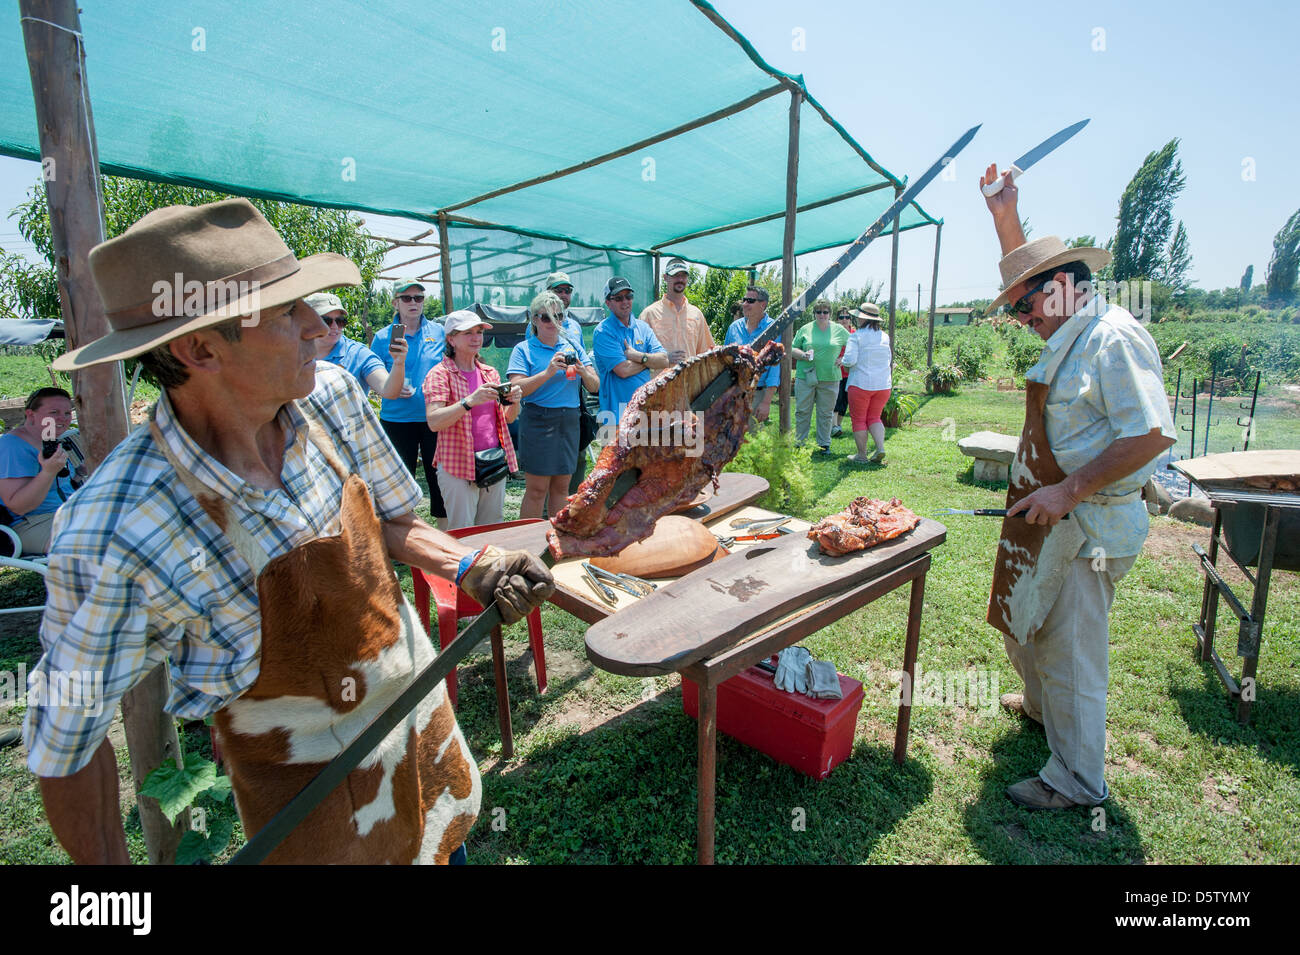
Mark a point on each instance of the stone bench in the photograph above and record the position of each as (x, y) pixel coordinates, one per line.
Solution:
(993, 454)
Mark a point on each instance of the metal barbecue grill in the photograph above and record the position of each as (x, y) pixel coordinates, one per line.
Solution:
(1257, 528)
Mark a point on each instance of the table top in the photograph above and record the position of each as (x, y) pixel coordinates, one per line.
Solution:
(723, 603)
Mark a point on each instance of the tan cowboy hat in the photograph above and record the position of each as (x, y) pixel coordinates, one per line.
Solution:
(183, 268)
(1034, 258)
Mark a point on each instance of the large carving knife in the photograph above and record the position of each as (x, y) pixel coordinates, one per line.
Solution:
(1035, 154)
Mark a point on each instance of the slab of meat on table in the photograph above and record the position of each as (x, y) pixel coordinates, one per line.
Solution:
(864, 523)
(673, 450)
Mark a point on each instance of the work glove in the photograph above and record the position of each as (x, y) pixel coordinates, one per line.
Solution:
(823, 681)
(515, 579)
(792, 669)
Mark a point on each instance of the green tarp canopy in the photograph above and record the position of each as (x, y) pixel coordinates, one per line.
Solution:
(412, 108)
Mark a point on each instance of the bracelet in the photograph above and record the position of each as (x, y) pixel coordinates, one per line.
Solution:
(466, 562)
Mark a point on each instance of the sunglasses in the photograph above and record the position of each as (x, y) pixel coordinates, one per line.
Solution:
(545, 319)
(624, 297)
(1023, 306)
(749, 301)
(563, 289)
(341, 321)
(822, 311)
(408, 299)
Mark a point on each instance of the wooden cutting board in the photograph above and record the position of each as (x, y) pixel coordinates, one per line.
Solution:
(677, 546)
(718, 606)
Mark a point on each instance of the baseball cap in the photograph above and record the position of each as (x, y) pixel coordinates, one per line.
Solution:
(558, 278)
(616, 285)
(462, 320)
(403, 284)
(325, 302)
(674, 266)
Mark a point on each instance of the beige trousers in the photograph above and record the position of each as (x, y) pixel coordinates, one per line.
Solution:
(34, 532)
(1065, 668)
(807, 393)
(468, 504)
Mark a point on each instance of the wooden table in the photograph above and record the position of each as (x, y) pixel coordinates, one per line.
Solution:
(729, 615)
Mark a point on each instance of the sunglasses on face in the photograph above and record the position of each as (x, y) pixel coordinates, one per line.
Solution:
(749, 301)
(821, 311)
(341, 321)
(1023, 306)
(625, 297)
(408, 299)
(545, 319)
(563, 289)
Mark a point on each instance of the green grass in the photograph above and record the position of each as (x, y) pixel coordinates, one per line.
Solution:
(604, 769)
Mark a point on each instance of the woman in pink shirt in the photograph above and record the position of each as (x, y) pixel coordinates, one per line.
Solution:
(464, 406)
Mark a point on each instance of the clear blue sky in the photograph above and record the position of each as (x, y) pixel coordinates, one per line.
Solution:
(906, 80)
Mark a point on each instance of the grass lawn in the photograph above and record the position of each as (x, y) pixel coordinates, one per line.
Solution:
(604, 769)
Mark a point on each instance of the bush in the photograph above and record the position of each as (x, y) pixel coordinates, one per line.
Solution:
(909, 347)
(1023, 350)
(786, 468)
(973, 351)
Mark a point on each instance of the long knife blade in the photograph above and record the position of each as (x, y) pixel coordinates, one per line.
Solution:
(1035, 154)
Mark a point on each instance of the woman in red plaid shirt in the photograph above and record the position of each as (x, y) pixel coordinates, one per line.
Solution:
(465, 408)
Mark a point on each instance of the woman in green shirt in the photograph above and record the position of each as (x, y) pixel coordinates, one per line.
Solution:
(817, 347)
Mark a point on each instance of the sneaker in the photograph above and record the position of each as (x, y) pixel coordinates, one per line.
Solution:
(823, 449)
(877, 458)
(854, 459)
(836, 431)
(10, 736)
(1035, 794)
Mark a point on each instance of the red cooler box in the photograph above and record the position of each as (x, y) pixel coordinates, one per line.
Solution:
(813, 736)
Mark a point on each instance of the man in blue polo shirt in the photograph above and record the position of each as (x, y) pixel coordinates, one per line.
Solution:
(626, 352)
(355, 358)
(403, 418)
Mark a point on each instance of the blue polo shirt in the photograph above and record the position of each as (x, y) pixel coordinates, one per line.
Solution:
(607, 345)
(530, 357)
(738, 334)
(18, 459)
(355, 358)
(423, 352)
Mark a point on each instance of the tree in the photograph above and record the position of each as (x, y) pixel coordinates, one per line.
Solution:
(1141, 244)
(1284, 267)
(305, 229)
(1179, 261)
(1081, 242)
(1247, 278)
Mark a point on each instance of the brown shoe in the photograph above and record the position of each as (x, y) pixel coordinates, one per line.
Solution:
(1035, 794)
(1015, 703)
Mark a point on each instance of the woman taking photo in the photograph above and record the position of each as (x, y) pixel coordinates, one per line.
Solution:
(868, 359)
(469, 410)
(547, 368)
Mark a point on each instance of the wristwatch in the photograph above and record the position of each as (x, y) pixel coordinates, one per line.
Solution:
(464, 403)
(645, 358)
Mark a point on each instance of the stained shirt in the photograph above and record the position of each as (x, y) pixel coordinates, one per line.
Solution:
(607, 344)
(867, 357)
(455, 454)
(826, 347)
(356, 359)
(139, 573)
(424, 351)
(18, 459)
(531, 357)
(739, 334)
(1106, 383)
(685, 329)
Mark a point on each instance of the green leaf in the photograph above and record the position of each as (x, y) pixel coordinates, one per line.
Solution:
(196, 846)
(177, 788)
(220, 790)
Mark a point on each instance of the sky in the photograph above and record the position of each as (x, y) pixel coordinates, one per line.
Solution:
(907, 80)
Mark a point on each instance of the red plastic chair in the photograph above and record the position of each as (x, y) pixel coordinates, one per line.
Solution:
(453, 604)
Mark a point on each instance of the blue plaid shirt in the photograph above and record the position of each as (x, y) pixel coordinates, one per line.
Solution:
(139, 574)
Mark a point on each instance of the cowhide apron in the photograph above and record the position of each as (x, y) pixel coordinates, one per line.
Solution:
(339, 642)
(1032, 558)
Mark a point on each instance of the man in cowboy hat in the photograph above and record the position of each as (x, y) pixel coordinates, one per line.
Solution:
(1096, 419)
(246, 537)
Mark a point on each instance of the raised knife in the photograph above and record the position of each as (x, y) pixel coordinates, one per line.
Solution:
(1035, 154)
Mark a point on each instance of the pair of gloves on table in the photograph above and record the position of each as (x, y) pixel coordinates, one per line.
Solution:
(798, 672)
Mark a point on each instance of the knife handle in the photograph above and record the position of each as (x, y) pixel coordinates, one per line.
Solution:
(994, 187)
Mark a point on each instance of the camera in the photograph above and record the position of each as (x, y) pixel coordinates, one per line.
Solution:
(503, 393)
(570, 359)
(48, 448)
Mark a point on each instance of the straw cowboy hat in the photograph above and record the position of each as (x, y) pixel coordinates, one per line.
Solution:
(1034, 258)
(183, 268)
(867, 312)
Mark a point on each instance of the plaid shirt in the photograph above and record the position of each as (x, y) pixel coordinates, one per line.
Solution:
(140, 574)
(455, 455)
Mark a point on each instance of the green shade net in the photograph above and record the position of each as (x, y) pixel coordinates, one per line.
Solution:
(409, 107)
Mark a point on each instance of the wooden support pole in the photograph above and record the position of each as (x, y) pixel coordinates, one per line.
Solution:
(657, 293)
(444, 254)
(70, 167)
(787, 252)
(934, 288)
(893, 273)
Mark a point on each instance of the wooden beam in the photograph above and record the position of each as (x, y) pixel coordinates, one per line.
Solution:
(56, 59)
(893, 275)
(934, 288)
(713, 117)
(787, 252)
(853, 193)
(445, 254)
(656, 295)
